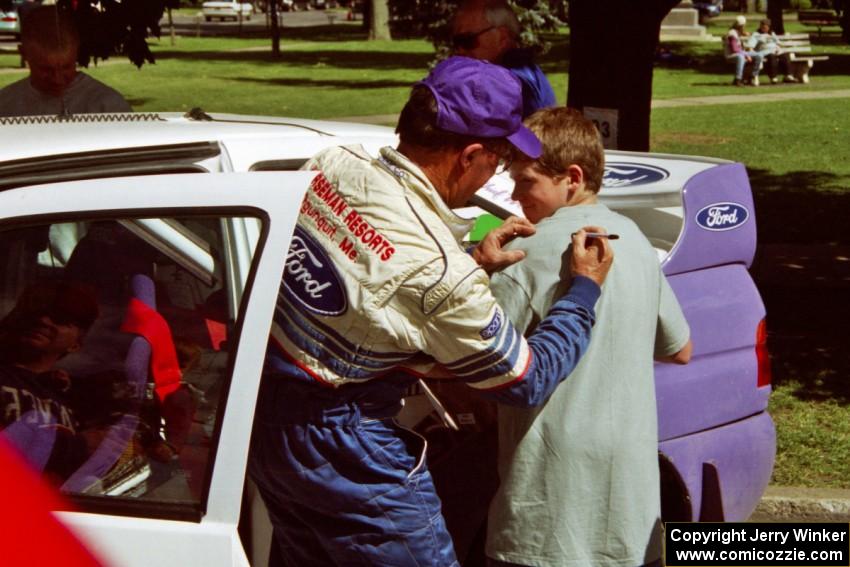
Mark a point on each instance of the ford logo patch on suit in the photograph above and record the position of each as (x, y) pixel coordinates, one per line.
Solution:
(310, 277)
(722, 216)
(626, 174)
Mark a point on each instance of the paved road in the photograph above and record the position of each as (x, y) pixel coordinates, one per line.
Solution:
(194, 25)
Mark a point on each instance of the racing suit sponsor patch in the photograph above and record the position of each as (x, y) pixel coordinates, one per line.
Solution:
(311, 278)
(493, 326)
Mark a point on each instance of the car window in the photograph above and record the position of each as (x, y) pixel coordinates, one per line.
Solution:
(279, 164)
(116, 344)
(197, 157)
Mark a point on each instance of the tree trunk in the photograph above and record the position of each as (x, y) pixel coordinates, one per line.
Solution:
(612, 51)
(171, 27)
(275, 23)
(774, 13)
(379, 24)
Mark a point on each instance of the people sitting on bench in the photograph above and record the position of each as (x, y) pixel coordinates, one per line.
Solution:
(765, 42)
(734, 50)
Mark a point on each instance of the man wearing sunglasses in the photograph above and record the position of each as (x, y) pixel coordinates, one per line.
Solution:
(489, 30)
(377, 291)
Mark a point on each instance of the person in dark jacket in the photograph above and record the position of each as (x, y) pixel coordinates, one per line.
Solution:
(489, 30)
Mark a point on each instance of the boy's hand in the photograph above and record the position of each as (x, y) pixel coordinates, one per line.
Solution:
(592, 257)
(489, 254)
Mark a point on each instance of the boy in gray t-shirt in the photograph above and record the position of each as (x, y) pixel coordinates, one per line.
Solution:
(579, 475)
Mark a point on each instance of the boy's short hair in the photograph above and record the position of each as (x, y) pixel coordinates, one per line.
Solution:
(568, 139)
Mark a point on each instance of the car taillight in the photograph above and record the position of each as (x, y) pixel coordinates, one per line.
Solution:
(764, 377)
(10, 18)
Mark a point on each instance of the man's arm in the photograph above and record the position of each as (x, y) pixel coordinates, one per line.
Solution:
(556, 346)
(559, 341)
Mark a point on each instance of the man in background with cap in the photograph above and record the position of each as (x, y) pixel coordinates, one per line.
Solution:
(377, 288)
(489, 30)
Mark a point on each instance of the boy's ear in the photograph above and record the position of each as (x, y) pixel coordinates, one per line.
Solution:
(575, 174)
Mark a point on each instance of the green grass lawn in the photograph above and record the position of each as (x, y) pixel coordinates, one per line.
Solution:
(314, 78)
(795, 152)
(813, 439)
(767, 137)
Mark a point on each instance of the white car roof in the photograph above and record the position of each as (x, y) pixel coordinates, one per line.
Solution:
(40, 136)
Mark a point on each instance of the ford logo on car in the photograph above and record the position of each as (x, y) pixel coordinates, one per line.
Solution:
(310, 277)
(722, 216)
(625, 174)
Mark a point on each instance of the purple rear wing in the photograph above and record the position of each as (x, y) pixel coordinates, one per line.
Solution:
(719, 221)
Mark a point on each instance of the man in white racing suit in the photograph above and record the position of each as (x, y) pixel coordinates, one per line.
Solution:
(376, 291)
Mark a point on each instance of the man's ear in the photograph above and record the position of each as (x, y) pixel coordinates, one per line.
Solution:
(506, 38)
(468, 154)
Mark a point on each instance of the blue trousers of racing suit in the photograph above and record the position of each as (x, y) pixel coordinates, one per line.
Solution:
(336, 460)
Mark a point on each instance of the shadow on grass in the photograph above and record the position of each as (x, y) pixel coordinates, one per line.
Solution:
(325, 33)
(139, 101)
(378, 60)
(790, 209)
(837, 64)
(802, 270)
(352, 84)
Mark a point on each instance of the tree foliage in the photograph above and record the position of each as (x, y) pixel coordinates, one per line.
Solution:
(114, 27)
(118, 27)
(432, 19)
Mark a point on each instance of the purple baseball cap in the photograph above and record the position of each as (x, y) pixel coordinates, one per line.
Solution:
(480, 99)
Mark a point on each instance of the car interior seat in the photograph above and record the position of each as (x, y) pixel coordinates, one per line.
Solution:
(117, 465)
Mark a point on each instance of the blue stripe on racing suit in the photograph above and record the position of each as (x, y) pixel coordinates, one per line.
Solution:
(556, 346)
(338, 357)
(307, 321)
(499, 359)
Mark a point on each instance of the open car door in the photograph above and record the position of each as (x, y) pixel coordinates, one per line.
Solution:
(168, 283)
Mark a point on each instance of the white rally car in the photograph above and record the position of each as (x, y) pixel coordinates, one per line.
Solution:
(192, 215)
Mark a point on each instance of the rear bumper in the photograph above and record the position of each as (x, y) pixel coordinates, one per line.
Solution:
(742, 454)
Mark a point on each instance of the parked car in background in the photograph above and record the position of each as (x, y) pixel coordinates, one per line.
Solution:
(10, 21)
(708, 8)
(191, 218)
(282, 5)
(226, 10)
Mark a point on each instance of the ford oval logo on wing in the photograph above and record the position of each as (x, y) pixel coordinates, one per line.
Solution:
(311, 278)
(722, 216)
(625, 174)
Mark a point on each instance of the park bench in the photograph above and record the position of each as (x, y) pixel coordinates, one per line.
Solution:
(797, 48)
(819, 18)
